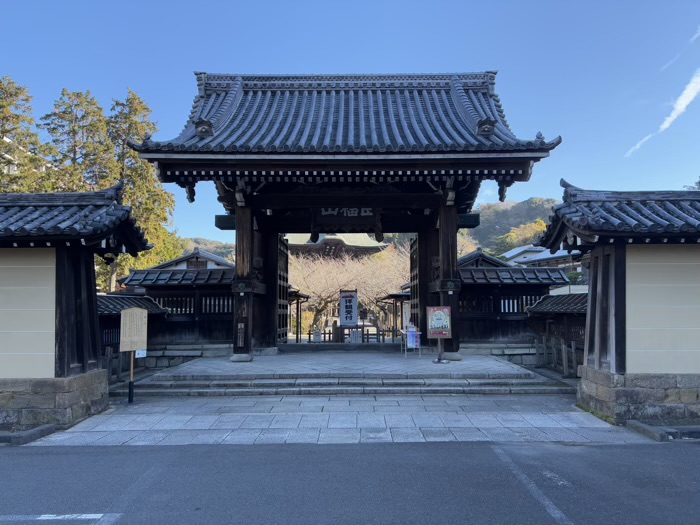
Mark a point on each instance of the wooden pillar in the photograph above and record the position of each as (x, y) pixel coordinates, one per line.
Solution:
(618, 361)
(427, 249)
(448, 270)
(592, 309)
(243, 298)
(265, 328)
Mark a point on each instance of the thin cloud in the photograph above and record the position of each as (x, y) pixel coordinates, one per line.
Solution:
(679, 54)
(680, 106)
(638, 145)
(670, 62)
(696, 35)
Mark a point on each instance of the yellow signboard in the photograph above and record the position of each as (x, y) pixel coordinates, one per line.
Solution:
(134, 330)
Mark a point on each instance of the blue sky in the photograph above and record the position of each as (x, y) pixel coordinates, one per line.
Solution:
(603, 74)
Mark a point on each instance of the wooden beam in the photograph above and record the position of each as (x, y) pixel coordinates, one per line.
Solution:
(345, 199)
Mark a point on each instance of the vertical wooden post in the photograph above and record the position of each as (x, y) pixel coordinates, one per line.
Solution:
(564, 358)
(427, 248)
(448, 270)
(243, 301)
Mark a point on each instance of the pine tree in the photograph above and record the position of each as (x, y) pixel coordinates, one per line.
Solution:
(152, 206)
(82, 151)
(22, 162)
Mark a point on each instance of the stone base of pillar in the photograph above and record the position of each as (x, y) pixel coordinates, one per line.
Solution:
(271, 350)
(241, 358)
(452, 356)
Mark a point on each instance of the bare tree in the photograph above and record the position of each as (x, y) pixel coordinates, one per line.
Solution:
(373, 277)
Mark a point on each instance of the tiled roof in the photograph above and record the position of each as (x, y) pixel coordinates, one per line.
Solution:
(89, 217)
(201, 254)
(156, 277)
(575, 303)
(347, 114)
(546, 256)
(114, 304)
(521, 249)
(360, 240)
(547, 276)
(478, 258)
(630, 214)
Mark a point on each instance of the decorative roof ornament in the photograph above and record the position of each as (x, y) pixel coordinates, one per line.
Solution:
(204, 128)
(485, 126)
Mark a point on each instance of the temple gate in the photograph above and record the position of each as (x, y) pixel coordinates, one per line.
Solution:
(343, 153)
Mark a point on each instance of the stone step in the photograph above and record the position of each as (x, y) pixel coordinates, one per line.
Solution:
(170, 377)
(342, 382)
(350, 390)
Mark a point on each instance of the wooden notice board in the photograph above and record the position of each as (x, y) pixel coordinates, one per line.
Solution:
(134, 330)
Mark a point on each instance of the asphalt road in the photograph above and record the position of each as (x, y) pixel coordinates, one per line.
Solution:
(402, 484)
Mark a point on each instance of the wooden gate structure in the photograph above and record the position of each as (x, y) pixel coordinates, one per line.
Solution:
(343, 153)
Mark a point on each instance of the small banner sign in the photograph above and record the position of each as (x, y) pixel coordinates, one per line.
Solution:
(405, 314)
(439, 326)
(134, 330)
(412, 339)
(348, 308)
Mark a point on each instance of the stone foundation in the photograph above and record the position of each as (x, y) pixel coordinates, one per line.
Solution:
(653, 398)
(26, 403)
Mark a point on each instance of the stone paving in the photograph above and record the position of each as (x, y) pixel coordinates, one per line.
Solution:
(263, 420)
(339, 364)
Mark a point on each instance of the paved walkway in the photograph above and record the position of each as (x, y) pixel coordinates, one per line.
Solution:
(342, 419)
(344, 364)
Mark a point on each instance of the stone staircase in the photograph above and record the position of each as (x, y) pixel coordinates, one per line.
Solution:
(518, 353)
(525, 382)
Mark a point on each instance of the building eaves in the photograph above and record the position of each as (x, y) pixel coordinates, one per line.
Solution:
(89, 218)
(648, 216)
(575, 303)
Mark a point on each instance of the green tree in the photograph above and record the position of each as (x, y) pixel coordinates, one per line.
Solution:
(152, 206)
(21, 153)
(525, 234)
(82, 150)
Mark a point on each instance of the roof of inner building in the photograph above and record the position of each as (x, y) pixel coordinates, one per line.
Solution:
(575, 303)
(352, 114)
(209, 277)
(505, 276)
(113, 304)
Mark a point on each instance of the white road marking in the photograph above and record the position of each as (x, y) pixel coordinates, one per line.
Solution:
(532, 488)
(97, 519)
(556, 478)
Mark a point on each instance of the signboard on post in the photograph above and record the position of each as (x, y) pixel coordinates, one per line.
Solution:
(439, 325)
(348, 308)
(133, 338)
(405, 314)
(134, 330)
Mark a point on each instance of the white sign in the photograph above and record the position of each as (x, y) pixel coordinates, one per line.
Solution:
(134, 330)
(140, 354)
(406, 314)
(348, 308)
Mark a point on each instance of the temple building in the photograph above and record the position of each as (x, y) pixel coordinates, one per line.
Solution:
(49, 333)
(196, 291)
(495, 296)
(641, 356)
(330, 154)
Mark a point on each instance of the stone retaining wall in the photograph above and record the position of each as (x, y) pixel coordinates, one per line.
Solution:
(26, 403)
(654, 398)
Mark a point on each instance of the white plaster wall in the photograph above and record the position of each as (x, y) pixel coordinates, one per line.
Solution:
(27, 312)
(663, 309)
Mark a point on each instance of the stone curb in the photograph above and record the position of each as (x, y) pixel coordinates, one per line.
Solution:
(25, 436)
(664, 433)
